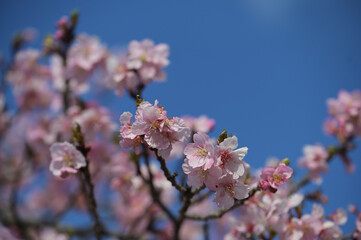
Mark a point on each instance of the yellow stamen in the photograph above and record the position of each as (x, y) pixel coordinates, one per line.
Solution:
(230, 189)
(203, 152)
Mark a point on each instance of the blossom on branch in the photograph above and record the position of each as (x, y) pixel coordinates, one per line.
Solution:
(231, 161)
(229, 189)
(65, 159)
(346, 115)
(314, 159)
(272, 178)
(200, 153)
(148, 59)
(152, 123)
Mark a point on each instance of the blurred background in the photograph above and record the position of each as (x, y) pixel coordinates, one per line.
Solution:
(262, 69)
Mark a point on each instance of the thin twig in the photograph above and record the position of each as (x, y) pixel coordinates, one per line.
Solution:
(154, 192)
(171, 177)
(205, 230)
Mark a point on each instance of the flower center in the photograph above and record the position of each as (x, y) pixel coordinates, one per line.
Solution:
(143, 57)
(229, 188)
(154, 125)
(202, 152)
(278, 178)
(203, 173)
(225, 156)
(67, 160)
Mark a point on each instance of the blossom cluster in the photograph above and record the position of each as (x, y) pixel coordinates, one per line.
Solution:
(221, 168)
(315, 159)
(266, 211)
(345, 111)
(57, 131)
(153, 127)
(30, 79)
(272, 177)
(142, 63)
(83, 58)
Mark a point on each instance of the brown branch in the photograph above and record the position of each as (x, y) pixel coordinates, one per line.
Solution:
(86, 182)
(186, 203)
(168, 175)
(205, 230)
(154, 192)
(88, 191)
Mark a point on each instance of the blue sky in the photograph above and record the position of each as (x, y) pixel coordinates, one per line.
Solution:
(263, 69)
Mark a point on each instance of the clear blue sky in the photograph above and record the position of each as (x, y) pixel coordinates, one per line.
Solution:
(262, 69)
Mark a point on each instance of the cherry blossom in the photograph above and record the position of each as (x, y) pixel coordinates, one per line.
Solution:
(229, 189)
(26, 69)
(346, 115)
(148, 59)
(65, 159)
(229, 160)
(315, 159)
(119, 77)
(200, 153)
(198, 176)
(159, 131)
(339, 216)
(272, 178)
(201, 124)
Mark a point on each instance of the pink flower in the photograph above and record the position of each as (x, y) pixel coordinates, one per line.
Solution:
(62, 22)
(34, 95)
(347, 104)
(148, 59)
(339, 216)
(65, 159)
(149, 121)
(272, 178)
(26, 69)
(152, 123)
(126, 128)
(176, 131)
(30, 80)
(311, 226)
(201, 124)
(119, 76)
(201, 152)
(289, 229)
(83, 57)
(330, 231)
(346, 115)
(357, 233)
(231, 161)
(49, 233)
(358, 223)
(229, 189)
(86, 53)
(94, 120)
(198, 176)
(252, 219)
(315, 159)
